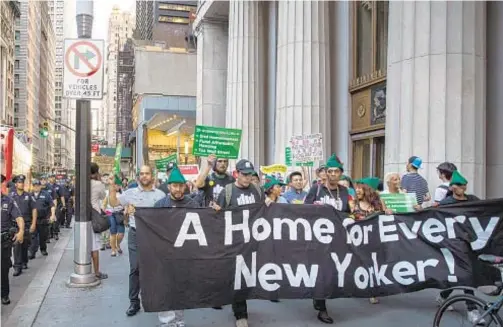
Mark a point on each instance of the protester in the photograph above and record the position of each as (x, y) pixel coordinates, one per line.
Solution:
(458, 187)
(256, 178)
(296, 193)
(176, 197)
(105, 236)
(212, 184)
(333, 194)
(97, 196)
(412, 182)
(27, 205)
(144, 195)
(116, 219)
(239, 193)
(445, 171)
(272, 189)
(348, 183)
(11, 218)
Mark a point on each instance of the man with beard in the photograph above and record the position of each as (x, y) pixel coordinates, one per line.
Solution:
(333, 194)
(240, 193)
(145, 195)
(175, 198)
(213, 184)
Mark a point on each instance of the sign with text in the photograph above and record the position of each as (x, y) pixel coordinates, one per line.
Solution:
(83, 69)
(162, 164)
(306, 148)
(223, 142)
(288, 159)
(399, 202)
(202, 258)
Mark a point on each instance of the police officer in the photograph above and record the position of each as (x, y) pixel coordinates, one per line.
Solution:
(27, 206)
(59, 199)
(69, 195)
(46, 211)
(10, 218)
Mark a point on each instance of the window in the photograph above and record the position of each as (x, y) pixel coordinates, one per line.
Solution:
(16, 78)
(17, 36)
(16, 93)
(16, 64)
(370, 46)
(16, 107)
(16, 122)
(17, 50)
(368, 157)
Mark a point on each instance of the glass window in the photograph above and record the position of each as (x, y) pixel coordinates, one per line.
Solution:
(382, 34)
(363, 37)
(16, 64)
(16, 78)
(368, 157)
(16, 107)
(16, 93)
(18, 35)
(17, 50)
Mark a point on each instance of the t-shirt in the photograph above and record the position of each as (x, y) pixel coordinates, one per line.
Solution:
(452, 200)
(441, 192)
(321, 194)
(240, 196)
(185, 202)
(98, 194)
(294, 196)
(214, 185)
(139, 197)
(415, 183)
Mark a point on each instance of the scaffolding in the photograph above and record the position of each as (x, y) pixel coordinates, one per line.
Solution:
(125, 80)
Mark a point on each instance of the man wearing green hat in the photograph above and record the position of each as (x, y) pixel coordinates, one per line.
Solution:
(175, 198)
(272, 188)
(458, 187)
(337, 196)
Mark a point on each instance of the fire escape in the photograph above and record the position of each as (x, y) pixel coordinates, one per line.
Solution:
(125, 78)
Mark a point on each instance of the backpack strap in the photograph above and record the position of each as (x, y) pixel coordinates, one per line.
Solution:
(444, 187)
(228, 194)
(318, 191)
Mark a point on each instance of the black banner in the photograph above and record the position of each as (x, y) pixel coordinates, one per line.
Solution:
(194, 258)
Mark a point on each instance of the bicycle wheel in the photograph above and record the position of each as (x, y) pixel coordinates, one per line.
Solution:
(444, 318)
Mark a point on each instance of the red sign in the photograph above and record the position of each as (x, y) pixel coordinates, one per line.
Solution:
(95, 148)
(189, 169)
(93, 68)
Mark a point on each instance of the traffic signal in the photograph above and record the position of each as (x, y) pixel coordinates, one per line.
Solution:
(44, 130)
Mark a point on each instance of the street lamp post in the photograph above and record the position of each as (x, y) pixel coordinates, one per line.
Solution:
(83, 276)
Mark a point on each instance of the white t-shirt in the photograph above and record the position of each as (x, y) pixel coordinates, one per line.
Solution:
(98, 194)
(441, 192)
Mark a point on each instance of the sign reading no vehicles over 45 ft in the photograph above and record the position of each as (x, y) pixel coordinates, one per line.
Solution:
(83, 72)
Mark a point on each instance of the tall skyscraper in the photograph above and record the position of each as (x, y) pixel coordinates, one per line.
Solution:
(9, 11)
(121, 25)
(62, 145)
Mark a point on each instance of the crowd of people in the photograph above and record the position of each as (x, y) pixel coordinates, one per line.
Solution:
(33, 213)
(46, 207)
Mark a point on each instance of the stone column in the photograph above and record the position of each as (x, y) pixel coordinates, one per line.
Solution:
(303, 73)
(494, 100)
(244, 87)
(436, 105)
(211, 72)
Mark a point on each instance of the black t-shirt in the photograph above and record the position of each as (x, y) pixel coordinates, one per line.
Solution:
(452, 200)
(321, 194)
(185, 202)
(240, 196)
(164, 187)
(214, 185)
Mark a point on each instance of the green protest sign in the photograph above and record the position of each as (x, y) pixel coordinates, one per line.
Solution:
(399, 202)
(288, 159)
(117, 164)
(162, 164)
(223, 142)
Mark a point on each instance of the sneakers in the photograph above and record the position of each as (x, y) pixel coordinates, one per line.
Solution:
(474, 317)
(243, 322)
(440, 300)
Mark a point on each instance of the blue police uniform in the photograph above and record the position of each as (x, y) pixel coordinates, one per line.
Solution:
(10, 212)
(43, 204)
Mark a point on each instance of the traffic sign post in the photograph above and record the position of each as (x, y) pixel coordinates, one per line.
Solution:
(83, 69)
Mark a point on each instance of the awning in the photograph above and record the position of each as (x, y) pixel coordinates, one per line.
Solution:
(170, 123)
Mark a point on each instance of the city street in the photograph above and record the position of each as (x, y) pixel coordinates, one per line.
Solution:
(60, 306)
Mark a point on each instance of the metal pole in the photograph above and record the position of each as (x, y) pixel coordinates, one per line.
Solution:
(83, 271)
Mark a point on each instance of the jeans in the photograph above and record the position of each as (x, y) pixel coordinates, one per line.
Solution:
(6, 264)
(134, 272)
(240, 310)
(116, 227)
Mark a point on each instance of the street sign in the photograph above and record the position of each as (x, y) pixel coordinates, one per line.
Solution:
(83, 69)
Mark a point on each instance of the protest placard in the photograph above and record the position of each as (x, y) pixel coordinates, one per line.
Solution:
(399, 202)
(288, 159)
(162, 164)
(223, 142)
(306, 148)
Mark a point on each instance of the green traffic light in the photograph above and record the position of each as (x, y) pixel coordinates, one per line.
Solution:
(44, 133)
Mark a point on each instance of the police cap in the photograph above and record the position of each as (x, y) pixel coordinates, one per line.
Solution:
(36, 182)
(19, 179)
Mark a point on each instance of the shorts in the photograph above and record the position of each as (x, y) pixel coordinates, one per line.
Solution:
(96, 242)
(116, 227)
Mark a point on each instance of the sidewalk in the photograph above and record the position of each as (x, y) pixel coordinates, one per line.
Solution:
(59, 306)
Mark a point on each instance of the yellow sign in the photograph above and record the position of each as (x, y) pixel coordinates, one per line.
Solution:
(276, 168)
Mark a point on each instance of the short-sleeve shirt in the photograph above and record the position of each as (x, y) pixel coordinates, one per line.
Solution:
(240, 196)
(452, 200)
(10, 212)
(294, 196)
(26, 204)
(139, 197)
(43, 203)
(214, 185)
(168, 202)
(441, 192)
(98, 194)
(319, 193)
(415, 183)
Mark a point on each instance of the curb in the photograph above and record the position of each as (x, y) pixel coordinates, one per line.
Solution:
(26, 310)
